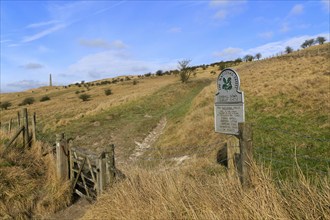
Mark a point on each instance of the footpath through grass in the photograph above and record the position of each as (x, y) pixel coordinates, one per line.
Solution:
(131, 122)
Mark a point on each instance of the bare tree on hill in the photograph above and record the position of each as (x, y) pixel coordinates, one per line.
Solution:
(185, 70)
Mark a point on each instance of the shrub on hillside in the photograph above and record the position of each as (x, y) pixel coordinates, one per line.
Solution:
(44, 98)
(185, 70)
(288, 49)
(5, 105)
(107, 92)
(27, 101)
(85, 97)
(320, 40)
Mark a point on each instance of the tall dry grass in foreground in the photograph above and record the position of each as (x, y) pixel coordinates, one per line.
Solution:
(206, 193)
(28, 183)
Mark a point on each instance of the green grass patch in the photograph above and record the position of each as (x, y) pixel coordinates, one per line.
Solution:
(285, 141)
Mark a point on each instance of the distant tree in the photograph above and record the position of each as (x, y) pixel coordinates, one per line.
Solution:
(5, 105)
(222, 66)
(107, 92)
(44, 98)
(248, 58)
(238, 60)
(185, 70)
(147, 74)
(159, 73)
(84, 97)
(27, 101)
(308, 43)
(288, 49)
(258, 56)
(320, 40)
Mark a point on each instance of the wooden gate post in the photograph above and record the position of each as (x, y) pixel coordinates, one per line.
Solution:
(62, 154)
(245, 143)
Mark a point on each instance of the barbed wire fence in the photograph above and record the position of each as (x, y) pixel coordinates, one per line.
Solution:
(298, 152)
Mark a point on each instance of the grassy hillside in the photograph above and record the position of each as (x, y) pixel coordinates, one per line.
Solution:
(166, 145)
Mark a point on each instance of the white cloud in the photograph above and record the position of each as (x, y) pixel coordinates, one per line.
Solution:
(229, 53)
(103, 44)
(43, 33)
(279, 46)
(268, 49)
(266, 35)
(111, 63)
(297, 9)
(32, 66)
(25, 84)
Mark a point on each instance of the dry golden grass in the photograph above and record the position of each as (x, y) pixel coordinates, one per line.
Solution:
(28, 183)
(65, 106)
(202, 191)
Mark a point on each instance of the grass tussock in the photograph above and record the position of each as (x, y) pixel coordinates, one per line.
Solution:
(206, 193)
(28, 183)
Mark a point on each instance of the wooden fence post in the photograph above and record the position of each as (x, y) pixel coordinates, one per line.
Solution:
(18, 119)
(111, 164)
(10, 125)
(232, 148)
(61, 157)
(34, 123)
(101, 177)
(26, 125)
(245, 143)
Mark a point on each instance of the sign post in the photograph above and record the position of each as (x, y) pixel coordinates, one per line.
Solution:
(229, 103)
(229, 114)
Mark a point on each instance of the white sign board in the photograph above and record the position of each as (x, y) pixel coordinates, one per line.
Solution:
(229, 103)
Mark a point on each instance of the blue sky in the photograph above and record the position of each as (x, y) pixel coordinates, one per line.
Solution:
(90, 40)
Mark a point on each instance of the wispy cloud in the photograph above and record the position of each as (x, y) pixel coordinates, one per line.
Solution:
(175, 30)
(266, 35)
(223, 6)
(285, 27)
(43, 33)
(32, 66)
(25, 84)
(42, 24)
(297, 10)
(326, 5)
(229, 53)
(103, 44)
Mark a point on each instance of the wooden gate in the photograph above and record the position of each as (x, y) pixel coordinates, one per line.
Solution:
(89, 172)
